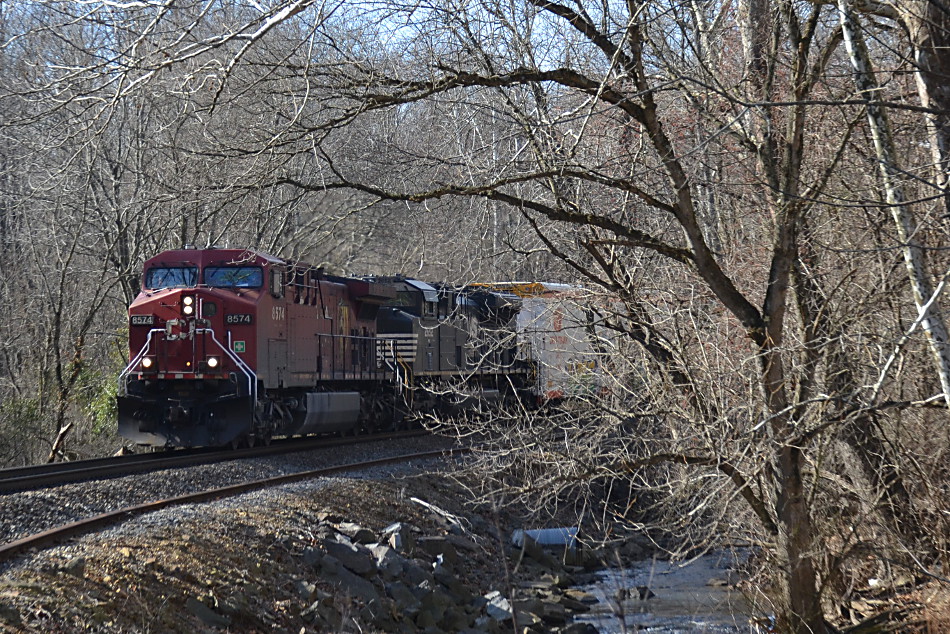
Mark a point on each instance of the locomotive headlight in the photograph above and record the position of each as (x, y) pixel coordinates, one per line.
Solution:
(188, 305)
(213, 362)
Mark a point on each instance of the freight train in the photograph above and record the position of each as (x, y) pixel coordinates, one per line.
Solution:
(233, 346)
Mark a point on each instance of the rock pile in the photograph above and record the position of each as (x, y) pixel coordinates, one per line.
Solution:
(400, 580)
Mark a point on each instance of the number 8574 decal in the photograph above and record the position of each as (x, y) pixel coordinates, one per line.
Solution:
(241, 318)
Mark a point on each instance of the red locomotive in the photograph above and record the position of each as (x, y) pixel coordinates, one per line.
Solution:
(227, 346)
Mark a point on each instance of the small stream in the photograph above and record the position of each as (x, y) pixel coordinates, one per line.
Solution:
(696, 596)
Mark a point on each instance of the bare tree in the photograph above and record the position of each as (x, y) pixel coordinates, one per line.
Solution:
(709, 172)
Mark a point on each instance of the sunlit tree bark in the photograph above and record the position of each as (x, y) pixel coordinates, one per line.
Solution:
(926, 299)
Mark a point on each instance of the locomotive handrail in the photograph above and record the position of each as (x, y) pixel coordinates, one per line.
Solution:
(238, 361)
(135, 360)
(394, 365)
(361, 361)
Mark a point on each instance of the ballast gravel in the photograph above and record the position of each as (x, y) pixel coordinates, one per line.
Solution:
(261, 498)
(247, 559)
(29, 512)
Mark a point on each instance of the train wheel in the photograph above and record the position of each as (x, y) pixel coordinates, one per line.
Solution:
(378, 416)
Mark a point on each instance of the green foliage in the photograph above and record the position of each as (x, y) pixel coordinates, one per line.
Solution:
(21, 428)
(101, 406)
(97, 387)
(20, 414)
(96, 398)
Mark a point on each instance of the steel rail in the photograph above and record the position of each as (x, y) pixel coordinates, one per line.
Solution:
(36, 476)
(14, 473)
(61, 533)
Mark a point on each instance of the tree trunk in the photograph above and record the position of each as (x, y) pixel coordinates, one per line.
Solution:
(803, 614)
(799, 610)
(928, 25)
(56, 451)
(914, 255)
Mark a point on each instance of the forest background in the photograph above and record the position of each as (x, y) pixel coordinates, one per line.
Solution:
(755, 189)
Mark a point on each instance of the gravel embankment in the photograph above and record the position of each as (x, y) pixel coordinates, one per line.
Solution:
(260, 561)
(29, 512)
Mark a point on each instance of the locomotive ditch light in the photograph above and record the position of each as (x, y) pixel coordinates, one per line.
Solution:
(213, 362)
(148, 363)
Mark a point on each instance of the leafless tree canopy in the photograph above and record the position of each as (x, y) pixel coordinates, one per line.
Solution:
(754, 192)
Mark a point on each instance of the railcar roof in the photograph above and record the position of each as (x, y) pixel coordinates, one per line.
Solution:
(531, 289)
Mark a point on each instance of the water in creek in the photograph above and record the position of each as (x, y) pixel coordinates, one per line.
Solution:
(693, 597)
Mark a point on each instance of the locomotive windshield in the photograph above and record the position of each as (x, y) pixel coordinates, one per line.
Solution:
(234, 276)
(159, 277)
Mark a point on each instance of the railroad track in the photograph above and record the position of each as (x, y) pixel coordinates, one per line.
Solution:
(91, 524)
(45, 475)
